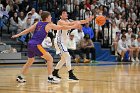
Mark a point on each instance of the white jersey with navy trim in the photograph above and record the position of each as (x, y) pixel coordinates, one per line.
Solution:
(61, 40)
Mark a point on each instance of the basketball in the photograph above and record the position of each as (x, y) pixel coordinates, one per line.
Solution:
(100, 20)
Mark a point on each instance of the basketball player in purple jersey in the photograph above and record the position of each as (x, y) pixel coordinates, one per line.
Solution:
(40, 31)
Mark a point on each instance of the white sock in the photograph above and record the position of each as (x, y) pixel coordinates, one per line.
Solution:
(68, 61)
(21, 75)
(51, 76)
(61, 62)
(65, 58)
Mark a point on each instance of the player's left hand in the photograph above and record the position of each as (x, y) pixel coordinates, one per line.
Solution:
(91, 17)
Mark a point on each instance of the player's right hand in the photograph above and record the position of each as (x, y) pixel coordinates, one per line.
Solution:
(14, 36)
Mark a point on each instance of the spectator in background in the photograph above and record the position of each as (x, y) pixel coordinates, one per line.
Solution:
(138, 34)
(47, 44)
(27, 24)
(1, 6)
(123, 47)
(88, 30)
(78, 34)
(69, 6)
(22, 16)
(73, 50)
(128, 34)
(34, 15)
(8, 6)
(29, 15)
(132, 44)
(40, 12)
(138, 41)
(115, 36)
(16, 6)
(15, 24)
(88, 4)
(26, 6)
(11, 12)
(87, 47)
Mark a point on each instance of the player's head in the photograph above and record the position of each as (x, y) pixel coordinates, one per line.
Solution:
(46, 16)
(63, 14)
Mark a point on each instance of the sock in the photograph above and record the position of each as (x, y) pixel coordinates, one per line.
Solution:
(122, 58)
(51, 76)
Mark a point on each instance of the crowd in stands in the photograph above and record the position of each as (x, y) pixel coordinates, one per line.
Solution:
(122, 28)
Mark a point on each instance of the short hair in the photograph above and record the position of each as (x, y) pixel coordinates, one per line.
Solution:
(29, 14)
(44, 15)
(123, 36)
(63, 10)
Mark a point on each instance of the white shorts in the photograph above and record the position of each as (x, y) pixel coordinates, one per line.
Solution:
(120, 51)
(60, 47)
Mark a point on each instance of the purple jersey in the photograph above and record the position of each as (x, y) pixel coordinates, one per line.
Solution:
(34, 45)
(39, 33)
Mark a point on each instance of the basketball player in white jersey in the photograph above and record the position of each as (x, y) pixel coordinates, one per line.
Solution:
(61, 45)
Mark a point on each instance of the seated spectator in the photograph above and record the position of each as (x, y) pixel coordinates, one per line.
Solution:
(27, 24)
(88, 30)
(40, 12)
(115, 36)
(34, 15)
(132, 44)
(21, 16)
(25, 38)
(138, 41)
(15, 24)
(73, 51)
(87, 47)
(128, 34)
(123, 48)
(78, 34)
(138, 34)
(47, 44)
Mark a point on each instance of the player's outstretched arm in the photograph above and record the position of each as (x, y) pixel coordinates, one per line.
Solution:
(26, 31)
(61, 22)
(58, 27)
(86, 20)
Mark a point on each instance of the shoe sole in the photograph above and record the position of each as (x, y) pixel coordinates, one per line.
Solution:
(53, 82)
(19, 81)
(73, 80)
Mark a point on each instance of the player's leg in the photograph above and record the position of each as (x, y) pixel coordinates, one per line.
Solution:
(31, 54)
(46, 55)
(20, 78)
(67, 58)
(58, 66)
(49, 60)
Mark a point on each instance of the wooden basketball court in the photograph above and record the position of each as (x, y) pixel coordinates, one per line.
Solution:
(93, 79)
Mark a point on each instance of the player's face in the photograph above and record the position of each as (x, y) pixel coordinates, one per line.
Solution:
(64, 15)
(49, 18)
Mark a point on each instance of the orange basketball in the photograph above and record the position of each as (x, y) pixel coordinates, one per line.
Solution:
(100, 20)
